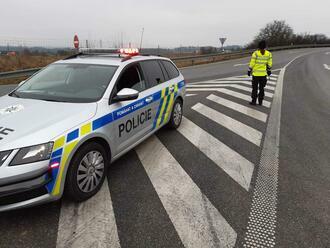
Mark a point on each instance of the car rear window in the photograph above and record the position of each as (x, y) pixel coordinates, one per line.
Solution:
(172, 71)
(152, 72)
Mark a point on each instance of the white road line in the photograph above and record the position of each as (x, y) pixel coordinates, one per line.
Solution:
(237, 80)
(240, 64)
(238, 107)
(326, 66)
(226, 83)
(247, 89)
(187, 95)
(240, 87)
(232, 93)
(233, 86)
(245, 131)
(197, 222)
(88, 224)
(261, 229)
(235, 165)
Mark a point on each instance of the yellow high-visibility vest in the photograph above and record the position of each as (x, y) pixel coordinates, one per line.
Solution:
(260, 62)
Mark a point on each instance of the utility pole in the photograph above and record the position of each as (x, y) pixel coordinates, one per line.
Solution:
(141, 39)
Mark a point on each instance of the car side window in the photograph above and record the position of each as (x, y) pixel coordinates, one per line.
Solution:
(152, 72)
(172, 71)
(131, 78)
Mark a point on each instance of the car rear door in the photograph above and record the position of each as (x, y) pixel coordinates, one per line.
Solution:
(158, 83)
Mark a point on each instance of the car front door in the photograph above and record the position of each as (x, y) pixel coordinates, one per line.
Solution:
(133, 119)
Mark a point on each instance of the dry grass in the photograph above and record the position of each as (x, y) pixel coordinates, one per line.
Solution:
(20, 62)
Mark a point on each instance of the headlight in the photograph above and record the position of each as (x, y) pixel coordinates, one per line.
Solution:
(33, 154)
(3, 156)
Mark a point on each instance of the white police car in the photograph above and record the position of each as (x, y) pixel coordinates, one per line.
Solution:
(61, 128)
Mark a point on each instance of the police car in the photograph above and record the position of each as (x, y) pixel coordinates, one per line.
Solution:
(61, 128)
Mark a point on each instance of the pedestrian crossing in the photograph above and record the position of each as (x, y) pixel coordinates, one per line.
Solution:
(195, 218)
(185, 188)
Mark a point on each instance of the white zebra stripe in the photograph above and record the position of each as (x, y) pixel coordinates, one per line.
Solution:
(88, 224)
(229, 92)
(235, 165)
(222, 84)
(197, 222)
(239, 128)
(247, 83)
(238, 107)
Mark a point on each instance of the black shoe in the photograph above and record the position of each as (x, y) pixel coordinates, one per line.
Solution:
(260, 102)
(252, 103)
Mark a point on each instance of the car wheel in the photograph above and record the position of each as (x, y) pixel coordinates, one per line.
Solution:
(176, 115)
(87, 172)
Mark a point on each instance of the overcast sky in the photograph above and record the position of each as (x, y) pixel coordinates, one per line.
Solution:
(168, 23)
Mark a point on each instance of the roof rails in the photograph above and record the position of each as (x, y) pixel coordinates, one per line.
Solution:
(101, 51)
(96, 52)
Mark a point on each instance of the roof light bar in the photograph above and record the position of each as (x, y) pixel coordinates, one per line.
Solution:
(129, 51)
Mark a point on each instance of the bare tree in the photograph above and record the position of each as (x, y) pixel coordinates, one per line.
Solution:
(276, 33)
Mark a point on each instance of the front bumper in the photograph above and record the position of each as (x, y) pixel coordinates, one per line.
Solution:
(24, 185)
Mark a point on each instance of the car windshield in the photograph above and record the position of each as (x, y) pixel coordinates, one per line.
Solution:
(77, 83)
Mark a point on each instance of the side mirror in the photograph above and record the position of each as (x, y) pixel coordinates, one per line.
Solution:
(22, 82)
(126, 94)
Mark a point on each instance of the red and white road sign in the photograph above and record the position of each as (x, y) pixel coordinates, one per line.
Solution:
(76, 41)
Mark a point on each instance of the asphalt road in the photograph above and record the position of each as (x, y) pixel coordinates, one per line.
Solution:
(198, 190)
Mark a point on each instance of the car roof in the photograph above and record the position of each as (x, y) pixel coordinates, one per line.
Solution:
(105, 59)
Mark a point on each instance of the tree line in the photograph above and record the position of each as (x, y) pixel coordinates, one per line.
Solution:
(279, 33)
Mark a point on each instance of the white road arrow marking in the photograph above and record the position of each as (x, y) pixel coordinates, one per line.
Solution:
(326, 67)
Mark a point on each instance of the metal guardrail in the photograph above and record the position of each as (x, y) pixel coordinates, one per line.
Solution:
(190, 60)
(19, 73)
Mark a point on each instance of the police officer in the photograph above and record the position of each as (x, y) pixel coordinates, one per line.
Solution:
(260, 66)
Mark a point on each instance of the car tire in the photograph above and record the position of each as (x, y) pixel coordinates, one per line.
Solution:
(176, 115)
(87, 172)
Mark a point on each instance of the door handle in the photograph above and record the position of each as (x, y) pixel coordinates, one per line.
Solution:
(149, 99)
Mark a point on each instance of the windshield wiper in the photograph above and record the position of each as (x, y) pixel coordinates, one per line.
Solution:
(14, 94)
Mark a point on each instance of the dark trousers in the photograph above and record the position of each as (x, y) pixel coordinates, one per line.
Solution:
(258, 82)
